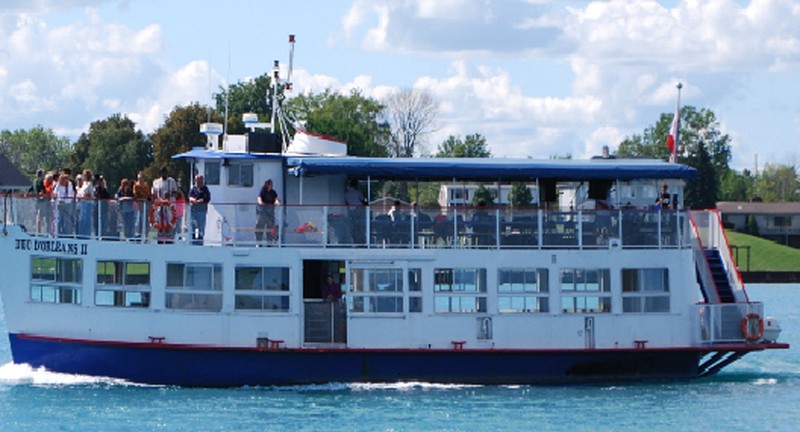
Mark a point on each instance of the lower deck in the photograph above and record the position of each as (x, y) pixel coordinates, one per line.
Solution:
(382, 299)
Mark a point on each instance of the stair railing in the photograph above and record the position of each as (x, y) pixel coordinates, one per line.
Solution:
(702, 266)
(707, 225)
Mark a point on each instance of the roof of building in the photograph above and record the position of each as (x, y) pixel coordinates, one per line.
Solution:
(747, 207)
(10, 177)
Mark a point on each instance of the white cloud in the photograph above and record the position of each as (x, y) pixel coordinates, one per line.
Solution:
(86, 66)
(623, 59)
(26, 93)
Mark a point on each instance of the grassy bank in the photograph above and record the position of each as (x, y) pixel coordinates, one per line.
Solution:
(765, 255)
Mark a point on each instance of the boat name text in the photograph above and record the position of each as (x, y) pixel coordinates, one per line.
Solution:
(57, 246)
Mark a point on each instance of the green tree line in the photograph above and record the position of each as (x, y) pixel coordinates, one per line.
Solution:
(393, 127)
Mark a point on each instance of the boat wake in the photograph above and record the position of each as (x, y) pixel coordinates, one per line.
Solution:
(368, 387)
(23, 374)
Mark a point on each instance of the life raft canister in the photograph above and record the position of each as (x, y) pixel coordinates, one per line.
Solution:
(162, 215)
(752, 327)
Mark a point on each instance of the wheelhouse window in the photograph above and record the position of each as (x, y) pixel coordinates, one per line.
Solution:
(122, 284)
(459, 290)
(585, 290)
(56, 280)
(522, 290)
(376, 290)
(196, 287)
(645, 290)
(211, 172)
(240, 173)
(262, 289)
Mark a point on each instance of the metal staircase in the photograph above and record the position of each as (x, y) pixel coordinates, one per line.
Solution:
(716, 270)
(719, 275)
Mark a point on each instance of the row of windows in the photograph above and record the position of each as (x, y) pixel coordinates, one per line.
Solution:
(240, 173)
(189, 286)
(373, 290)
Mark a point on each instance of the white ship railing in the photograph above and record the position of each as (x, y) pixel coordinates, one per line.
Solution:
(722, 323)
(235, 224)
(711, 235)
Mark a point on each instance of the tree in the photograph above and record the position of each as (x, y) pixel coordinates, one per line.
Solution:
(472, 146)
(778, 182)
(482, 196)
(520, 196)
(411, 114)
(425, 193)
(252, 96)
(736, 186)
(702, 146)
(113, 147)
(179, 133)
(354, 119)
(37, 148)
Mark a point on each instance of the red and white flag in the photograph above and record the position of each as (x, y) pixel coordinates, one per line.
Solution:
(672, 139)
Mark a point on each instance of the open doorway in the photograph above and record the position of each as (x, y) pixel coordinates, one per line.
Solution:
(325, 313)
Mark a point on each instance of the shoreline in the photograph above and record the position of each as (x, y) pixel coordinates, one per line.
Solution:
(771, 277)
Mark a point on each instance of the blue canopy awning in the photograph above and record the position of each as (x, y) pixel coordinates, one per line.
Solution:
(490, 168)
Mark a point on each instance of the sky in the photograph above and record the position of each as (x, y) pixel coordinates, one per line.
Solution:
(536, 78)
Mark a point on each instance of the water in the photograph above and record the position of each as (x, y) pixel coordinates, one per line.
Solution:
(760, 392)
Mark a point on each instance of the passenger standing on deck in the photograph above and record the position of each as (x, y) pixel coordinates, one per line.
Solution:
(142, 197)
(104, 226)
(267, 200)
(664, 199)
(85, 195)
(64, 195)
(125, 198)
(199, 197)
(355, 212)
(165, 190)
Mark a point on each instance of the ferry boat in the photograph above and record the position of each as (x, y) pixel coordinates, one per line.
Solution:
(603, 285)
(519, 295)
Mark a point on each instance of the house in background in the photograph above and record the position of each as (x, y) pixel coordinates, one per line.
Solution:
(779, 222)
(11, 179)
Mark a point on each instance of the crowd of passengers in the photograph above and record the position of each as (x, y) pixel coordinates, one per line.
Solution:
(80, 206)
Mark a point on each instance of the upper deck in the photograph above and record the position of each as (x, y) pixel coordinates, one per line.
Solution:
(235, 224)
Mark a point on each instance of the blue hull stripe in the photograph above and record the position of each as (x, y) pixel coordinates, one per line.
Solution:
(197, 366)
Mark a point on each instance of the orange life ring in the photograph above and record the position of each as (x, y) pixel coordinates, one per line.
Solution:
(162, 223)
(752, 327)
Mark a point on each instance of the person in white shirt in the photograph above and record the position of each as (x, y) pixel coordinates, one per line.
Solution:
(64, 195)
(85, 196)
(164, 187)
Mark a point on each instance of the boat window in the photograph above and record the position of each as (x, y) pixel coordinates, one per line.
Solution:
(122, 284)
(211, 172)
(585, 290)
(262, 289)
(376, 290)
(459, 290)
(415, 290)
(194, 287)
(522, 290)
(645, 290)
(56, 280)
(240, 173)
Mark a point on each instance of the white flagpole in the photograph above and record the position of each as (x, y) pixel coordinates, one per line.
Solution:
(674, 156)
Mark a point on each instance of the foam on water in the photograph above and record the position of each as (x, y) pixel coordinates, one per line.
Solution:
(23, 374)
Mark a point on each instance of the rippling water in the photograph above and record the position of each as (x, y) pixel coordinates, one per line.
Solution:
(760, 392)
